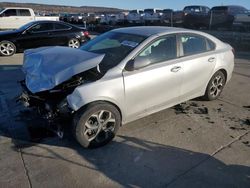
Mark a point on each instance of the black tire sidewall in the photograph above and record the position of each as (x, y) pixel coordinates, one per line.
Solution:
(207, 95)
(82, 116)
(6, 41)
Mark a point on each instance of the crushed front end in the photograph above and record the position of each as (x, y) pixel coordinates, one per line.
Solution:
(51, 74)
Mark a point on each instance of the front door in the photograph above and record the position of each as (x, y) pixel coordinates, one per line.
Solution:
(37, 36)
(156, 86)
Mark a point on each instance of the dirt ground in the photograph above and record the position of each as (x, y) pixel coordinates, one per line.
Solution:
(195, 144)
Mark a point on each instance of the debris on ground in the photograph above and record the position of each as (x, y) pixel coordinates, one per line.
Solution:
(246, 122)
(201, 110)
(193, 108)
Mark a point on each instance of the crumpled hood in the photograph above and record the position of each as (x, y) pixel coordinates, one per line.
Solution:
(48, 67)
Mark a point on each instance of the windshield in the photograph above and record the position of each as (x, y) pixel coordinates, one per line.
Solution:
(133, 11)
(1, 9)
(116, 46)
(26, 26)
(151, 11)
(192, 9)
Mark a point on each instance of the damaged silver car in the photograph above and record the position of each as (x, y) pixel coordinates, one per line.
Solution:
(123, 75)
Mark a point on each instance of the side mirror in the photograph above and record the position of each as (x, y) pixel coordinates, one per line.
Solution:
(138, 63)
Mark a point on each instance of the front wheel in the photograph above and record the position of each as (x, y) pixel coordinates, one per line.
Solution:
(96, 124)
(7, 48)
(74, 43)
(215, 86)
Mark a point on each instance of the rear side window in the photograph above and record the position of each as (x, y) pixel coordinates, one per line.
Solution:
(24, 12)
(42, 27)
(195, 44)
(10, 12)
(61, 27)
(211, 45)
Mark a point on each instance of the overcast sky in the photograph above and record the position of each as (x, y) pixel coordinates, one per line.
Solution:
(134, 4)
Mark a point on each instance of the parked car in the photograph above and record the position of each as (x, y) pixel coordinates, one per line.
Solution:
(92, 18)
(135, 16)
(13, 18)
(41, 33)
(77, 18)
(167, 16)
(124, 75)
(196, 16)
(242, 21)
(152, 15)
(178, 17)
(224, 16)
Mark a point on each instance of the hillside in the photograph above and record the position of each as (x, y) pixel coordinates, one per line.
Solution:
(61, 8)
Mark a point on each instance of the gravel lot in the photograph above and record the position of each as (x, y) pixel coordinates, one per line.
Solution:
(196, 144)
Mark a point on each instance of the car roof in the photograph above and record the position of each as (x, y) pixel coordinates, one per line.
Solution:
(48, 21)
(228, 6)
(149, 30)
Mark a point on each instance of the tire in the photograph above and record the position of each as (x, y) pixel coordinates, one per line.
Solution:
(74, 43)
(215, 86)
(86, 126)
(7, 48)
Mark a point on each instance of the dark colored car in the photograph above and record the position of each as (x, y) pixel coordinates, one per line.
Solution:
(41, 33)
(223, 16)
(196, 16)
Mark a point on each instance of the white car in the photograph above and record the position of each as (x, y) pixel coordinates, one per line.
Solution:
(124, 75)
(15, 17)
(152, 15)
(135, 16)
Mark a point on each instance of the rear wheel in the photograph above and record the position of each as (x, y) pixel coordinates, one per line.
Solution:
(74, 43)
(96, 125)
(7, 48)
(215, 86)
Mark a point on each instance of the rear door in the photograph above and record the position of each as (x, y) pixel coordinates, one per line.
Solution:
(199, 60)
(158, 85)
(61, 34)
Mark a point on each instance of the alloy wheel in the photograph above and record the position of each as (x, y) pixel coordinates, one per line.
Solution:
(7, 48)
(74, 43)
(99, 126)
(217, 86)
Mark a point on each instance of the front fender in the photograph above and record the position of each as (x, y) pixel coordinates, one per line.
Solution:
(102, 90)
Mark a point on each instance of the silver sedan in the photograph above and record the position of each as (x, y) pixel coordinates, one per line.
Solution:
(130, 73)
(164, 67)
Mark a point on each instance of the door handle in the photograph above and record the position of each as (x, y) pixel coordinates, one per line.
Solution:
(211, 59)
(176, 69)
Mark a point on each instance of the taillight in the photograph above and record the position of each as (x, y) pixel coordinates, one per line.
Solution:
(85, 33)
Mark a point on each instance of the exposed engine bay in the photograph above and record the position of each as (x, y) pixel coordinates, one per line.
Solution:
(52, 104)
(51, 74)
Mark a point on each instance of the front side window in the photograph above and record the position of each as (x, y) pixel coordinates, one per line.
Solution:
(42, 27)
(161, 50)
(194, 44)
(10, 12)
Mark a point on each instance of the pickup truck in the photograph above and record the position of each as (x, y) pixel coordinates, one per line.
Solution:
(242, 21)
(15, 17)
